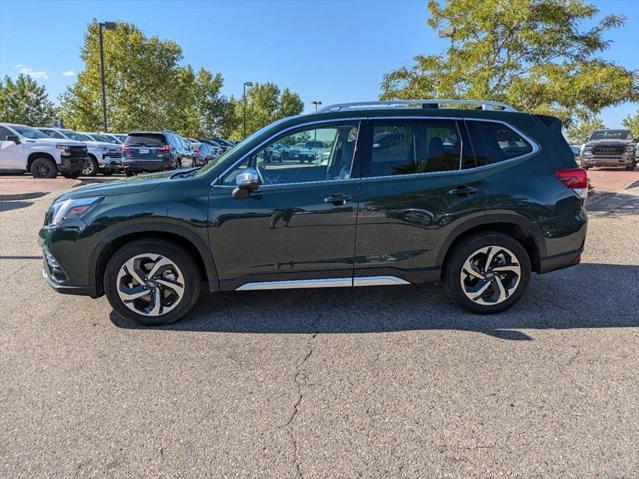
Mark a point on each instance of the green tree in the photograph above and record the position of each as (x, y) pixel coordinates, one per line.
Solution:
(147, 88)
(580, 130)
(632, 123)
(265, 103)
(532, 54)
(24, 101)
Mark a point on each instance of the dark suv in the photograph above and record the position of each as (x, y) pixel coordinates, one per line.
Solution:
(148, 151)
(405, 193)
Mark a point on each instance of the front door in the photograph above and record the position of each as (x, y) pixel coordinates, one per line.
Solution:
(298, 228)
(418, 183)
(12, 156)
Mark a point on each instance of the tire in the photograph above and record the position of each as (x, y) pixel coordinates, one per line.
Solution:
(107, 172)
(43, 168)
(91, 167)
(483, 284)
(128, 173)
(632, 166)
(72, 176)
(178, 163)
(143, 256)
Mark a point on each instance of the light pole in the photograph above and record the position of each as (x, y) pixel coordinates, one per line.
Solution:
(246, 84)
(106, 26)
(316, 103)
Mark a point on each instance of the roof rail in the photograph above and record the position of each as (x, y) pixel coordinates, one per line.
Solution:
(432, 103)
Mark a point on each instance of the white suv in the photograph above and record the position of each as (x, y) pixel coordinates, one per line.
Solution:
(104, 157)
(23, 148)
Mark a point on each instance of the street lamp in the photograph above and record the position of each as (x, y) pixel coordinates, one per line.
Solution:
(316, 103)
(106, 26)
(249, 84)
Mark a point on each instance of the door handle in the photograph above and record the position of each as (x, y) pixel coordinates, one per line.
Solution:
(463, 190)
(338, 199)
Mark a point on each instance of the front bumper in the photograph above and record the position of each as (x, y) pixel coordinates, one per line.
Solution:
(71, 165)
(607, 160)
(108, 162)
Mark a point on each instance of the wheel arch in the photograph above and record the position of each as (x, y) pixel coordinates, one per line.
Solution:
(39, 154)
(191, 242)
(519, 228)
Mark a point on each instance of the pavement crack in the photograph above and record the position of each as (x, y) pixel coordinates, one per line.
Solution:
(300, 396)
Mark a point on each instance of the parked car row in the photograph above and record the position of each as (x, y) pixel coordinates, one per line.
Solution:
(46, 152)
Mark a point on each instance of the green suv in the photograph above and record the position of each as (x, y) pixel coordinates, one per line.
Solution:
(472, 194)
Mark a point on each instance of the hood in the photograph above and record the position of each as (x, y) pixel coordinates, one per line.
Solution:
(135, 184)
(102, 144)
(55, 141)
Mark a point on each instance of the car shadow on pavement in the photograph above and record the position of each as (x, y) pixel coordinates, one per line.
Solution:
(617, 205)
(13, 205)
(585, 296)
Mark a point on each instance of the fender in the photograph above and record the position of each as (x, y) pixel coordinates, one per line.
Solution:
(504, 218)
(158, 227)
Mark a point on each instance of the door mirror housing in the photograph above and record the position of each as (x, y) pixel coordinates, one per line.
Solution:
(14, 138)
(246, 182)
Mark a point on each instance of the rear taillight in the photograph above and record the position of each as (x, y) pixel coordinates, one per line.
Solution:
(576, 179)
(196, 151)
(165, 148)
(126, 148)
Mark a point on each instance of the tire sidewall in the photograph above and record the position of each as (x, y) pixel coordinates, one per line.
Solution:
(175, 253)
(52, 169)
(468, 247)
(94, 164)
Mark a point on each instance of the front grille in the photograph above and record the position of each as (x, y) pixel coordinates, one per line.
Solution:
(115, 154)
(77, 151)
(612, 150)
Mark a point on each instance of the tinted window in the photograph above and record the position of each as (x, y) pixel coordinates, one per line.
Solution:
(4, 133)
(611, 135)
(414, 146)
(495, 142)
(29, 132)
(317, 154)
(145, 139)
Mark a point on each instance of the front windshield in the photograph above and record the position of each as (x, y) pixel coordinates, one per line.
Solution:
(611, 135)
(72, 135)
(29, 132)
(101, 138)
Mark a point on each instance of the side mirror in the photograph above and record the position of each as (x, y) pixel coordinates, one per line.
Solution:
(14, 138)
(246, 182)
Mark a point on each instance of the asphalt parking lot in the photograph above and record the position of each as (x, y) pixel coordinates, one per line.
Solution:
(369, 382)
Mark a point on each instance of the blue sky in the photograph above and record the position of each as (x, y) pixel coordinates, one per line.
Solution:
(329, 50)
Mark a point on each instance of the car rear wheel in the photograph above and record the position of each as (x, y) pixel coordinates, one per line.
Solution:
(632, 166)
(488, 273)
(43, 168)
(90, 167)
(152, 282)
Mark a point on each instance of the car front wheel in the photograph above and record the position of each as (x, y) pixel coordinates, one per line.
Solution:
(90, 167)
(152, 282)
(487, 273)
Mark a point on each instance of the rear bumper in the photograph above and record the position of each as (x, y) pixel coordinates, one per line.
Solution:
(146, 165)
(560, 261)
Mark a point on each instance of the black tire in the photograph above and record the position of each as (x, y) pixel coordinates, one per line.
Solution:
(43, 168)
(90, 167)
(631, 167)
(107, 172)
(128, 173)
(468, 249)
(178, 163)
(182, 259)
(72, 176)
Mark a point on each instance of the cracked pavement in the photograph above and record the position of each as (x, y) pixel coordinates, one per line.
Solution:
(369, 382)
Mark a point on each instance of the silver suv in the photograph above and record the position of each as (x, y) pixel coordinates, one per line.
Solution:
(610, 148)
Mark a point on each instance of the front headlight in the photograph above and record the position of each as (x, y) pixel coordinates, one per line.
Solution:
(630, 147)
(61, 147)
(73, 208)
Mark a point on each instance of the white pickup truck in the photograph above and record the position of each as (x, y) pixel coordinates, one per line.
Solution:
(23, 148)
(104, 157)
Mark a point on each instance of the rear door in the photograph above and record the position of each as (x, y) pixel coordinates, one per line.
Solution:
(419, 183)
(12, 155)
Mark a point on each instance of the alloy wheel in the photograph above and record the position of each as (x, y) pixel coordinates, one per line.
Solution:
(490, 275)
(150, 284)
(89, 168)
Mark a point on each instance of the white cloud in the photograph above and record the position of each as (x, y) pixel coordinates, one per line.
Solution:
(41, 74)
(69, 73)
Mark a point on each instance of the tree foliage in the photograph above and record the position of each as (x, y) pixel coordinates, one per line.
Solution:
(147, 88)
(632, 123)
(532, 54)
(580, 130)
(265, 103)
(25, 101)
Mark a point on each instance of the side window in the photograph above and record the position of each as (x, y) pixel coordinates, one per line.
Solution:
(495, 142)
(403, 147)
(4, 133)
(318, 154)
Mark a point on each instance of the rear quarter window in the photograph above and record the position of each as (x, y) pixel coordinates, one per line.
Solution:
(496, 142)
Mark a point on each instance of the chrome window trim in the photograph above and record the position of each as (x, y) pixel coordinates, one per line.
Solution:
(535, 146)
